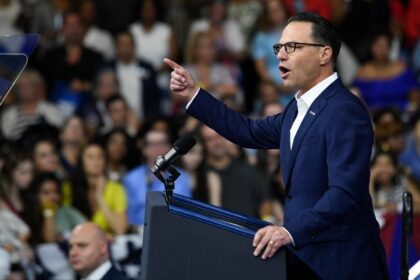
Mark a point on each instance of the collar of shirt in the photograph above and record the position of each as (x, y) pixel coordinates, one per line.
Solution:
(99, 272)
(306, 100)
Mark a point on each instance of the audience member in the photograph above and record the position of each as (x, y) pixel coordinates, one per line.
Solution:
(19, 172)
(154, 41)
(361, 18)
(228, 38)
(267, 94)
(120, 115)
(46, 19)
(193, 163)
(30, 107)
(49, 220)
(45, 157)
(410, 156)
(383, 82)
(100, 199)
(246, 14)
(95, 38)
(272, 22)
(141, 180)
(9, 13)
(233, 177)
(203, 65)
(70, 68)
(89, 253)
(72, 138)
(14, 235)
(119, 148)
(94, 113)
(115, 16)
(386, 183)
(390, 137)
(137, 79)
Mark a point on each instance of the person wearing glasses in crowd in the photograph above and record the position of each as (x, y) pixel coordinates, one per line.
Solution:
(140, 180)
(325, 138)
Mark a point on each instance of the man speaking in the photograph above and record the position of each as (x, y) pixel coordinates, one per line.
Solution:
(325, 139)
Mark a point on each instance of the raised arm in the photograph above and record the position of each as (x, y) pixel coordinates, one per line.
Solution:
(261, 134)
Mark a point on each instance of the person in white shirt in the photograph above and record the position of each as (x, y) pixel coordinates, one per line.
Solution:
(95, 38)
(89, 253)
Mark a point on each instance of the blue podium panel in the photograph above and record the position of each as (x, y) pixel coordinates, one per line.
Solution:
(193, 240)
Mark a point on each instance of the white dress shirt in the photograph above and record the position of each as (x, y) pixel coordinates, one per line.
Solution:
(305, 101)
(99, 272)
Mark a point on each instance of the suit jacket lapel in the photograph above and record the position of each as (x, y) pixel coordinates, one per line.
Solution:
(290, 115)
(312, 114)
(307, 122)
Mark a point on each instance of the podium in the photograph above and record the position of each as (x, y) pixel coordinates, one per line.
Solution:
(193, 240)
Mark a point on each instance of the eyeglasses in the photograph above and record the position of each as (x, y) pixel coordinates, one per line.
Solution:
(290, 47)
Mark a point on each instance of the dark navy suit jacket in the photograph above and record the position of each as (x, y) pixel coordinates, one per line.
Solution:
(328, 210)
(114, 274)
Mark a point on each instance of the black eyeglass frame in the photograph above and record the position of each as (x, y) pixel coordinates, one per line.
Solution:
(290, 47)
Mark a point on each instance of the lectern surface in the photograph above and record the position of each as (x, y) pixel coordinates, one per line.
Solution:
(193, 240)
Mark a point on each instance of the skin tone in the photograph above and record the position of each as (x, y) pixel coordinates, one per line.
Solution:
(382, 172)
(125, 48)
(29, 90)
(22, 177)
(205, 57)
(216, 148)
(88, 248)
(73, 31)
(93, 159)
(116, 151)
(121, 116)
(107, 85)
(72, 137)
(276, 15)
(156, 144)
(45, 157)
(49, 198)
(300, 70)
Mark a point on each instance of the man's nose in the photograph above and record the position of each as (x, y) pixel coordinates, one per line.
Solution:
(282, 54)
(72, 252)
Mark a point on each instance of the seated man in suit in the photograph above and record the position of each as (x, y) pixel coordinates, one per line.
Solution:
(89, 254)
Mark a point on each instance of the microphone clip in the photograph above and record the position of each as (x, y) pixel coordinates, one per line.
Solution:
(168, 182)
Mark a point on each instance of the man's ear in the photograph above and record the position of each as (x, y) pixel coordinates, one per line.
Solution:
(326, 55)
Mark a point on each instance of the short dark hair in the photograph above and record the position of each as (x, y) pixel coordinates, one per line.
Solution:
(323, 31)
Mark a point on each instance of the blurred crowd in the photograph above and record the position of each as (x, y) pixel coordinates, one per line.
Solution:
(92, 110)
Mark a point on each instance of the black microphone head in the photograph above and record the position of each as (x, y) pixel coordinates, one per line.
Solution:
(184, 144)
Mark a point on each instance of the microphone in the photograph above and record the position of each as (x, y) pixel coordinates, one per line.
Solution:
(181, 147)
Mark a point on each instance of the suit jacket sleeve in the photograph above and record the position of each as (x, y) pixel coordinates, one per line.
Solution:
(256, 134)
(349, 143)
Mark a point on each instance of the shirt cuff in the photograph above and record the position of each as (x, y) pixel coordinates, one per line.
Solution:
(291, 237)
(192, 99)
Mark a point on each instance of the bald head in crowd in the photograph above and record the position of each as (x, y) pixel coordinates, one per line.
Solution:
(88, 248)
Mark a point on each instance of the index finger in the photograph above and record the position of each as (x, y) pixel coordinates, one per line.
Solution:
(172, 64)
(258, 236)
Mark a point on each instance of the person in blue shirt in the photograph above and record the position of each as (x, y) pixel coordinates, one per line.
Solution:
(141, 180)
